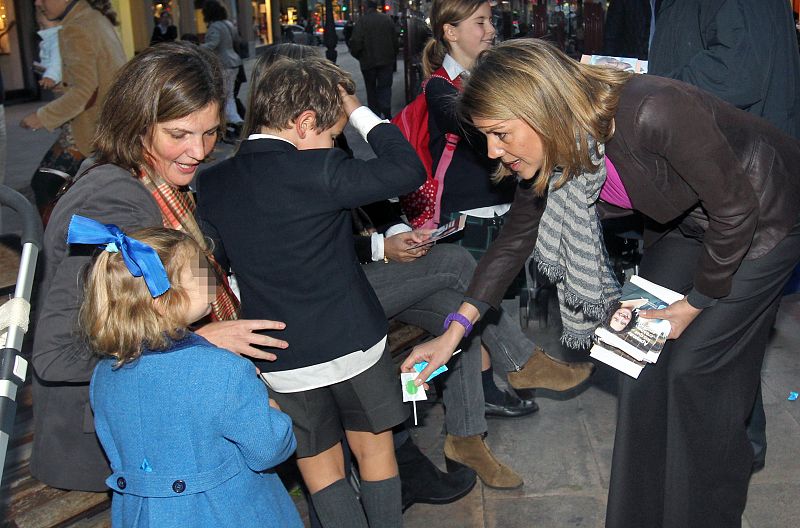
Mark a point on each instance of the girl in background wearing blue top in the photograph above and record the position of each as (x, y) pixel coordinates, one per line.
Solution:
(188, 428)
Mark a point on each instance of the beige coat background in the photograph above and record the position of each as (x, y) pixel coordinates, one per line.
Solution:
(91, 54)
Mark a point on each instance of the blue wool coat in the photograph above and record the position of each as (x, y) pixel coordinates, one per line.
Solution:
(190, 437)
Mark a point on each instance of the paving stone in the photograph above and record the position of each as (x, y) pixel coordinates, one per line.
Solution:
(783, 453)
(466, 513)
(773, 505)
(546, 511)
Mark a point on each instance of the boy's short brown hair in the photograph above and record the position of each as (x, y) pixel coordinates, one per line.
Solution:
(288, 87)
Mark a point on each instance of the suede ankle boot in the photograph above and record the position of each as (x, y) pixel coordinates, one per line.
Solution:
(472, 451)
(546, 373)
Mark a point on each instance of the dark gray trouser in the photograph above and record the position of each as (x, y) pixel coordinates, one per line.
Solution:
(422, 293)
(378, 83)
(682, 458)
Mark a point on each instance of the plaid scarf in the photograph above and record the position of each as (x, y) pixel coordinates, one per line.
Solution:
(177, 212)
(571, 253)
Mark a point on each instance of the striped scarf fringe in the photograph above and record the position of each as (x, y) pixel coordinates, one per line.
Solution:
(570, 252)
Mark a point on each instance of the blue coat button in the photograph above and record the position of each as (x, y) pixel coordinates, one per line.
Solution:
(121, 483)
(179, 486)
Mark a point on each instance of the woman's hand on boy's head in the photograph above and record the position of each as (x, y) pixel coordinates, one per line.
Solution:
(240, 336)
(349, 100)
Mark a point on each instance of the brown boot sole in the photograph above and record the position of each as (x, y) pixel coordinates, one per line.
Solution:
(452, 465)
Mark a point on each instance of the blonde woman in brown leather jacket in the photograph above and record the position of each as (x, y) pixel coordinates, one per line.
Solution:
(720, 193)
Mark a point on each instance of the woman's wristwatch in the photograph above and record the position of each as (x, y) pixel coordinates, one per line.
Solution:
(460, 319)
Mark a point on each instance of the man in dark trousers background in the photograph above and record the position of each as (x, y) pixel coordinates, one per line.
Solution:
(375, 44)
(629, 28)
(745, 53)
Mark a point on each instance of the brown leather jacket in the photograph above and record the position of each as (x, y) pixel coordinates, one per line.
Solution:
(685, 158)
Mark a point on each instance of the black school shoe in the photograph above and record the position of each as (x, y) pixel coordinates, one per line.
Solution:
(511, 407)
(425, 483)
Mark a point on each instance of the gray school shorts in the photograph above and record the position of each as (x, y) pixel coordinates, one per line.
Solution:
(371, 401)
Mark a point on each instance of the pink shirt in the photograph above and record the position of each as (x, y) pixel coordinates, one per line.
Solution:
(613, 191)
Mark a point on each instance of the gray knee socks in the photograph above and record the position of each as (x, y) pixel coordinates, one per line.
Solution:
(382, 502)
(338, 507)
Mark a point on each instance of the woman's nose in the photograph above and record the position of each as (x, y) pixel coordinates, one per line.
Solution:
(494, 149)
(197, 147)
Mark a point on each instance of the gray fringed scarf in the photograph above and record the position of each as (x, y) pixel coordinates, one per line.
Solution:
(571, 253)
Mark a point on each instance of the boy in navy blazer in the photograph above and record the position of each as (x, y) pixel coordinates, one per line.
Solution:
(280, 212)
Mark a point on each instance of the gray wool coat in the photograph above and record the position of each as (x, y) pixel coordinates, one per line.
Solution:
(66, 452)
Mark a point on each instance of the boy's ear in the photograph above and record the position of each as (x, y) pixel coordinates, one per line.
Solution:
(305, 123)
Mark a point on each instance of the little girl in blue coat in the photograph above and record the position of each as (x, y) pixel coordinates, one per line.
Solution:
(188, 428)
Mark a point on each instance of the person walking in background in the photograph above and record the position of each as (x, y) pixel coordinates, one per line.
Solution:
(95, 53)
(746, 54)
(164, 31)
(375, 44)
(220, 38)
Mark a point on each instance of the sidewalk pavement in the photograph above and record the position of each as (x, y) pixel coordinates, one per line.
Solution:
(563, 452)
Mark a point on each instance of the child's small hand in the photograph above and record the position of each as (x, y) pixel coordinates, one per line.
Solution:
(47, 83)
(274, 404)
(349, 101)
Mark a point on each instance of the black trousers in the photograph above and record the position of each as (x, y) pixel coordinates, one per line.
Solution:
(378, 83)
(682, 458)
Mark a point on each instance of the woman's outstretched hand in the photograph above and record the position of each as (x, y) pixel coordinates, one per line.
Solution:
(680, 315)
(436, 352)
(240, 336)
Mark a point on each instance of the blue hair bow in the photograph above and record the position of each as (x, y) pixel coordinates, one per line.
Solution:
(141, 259)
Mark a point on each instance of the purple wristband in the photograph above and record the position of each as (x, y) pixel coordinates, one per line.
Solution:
(460, 319)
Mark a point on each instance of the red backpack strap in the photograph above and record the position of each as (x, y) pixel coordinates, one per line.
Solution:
(445, 159)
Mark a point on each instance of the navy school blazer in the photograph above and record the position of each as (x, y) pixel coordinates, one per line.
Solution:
(282, 218)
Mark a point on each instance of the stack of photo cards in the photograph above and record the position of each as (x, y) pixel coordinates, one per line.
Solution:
(450, 228)
(629, 64)
(624, 340)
